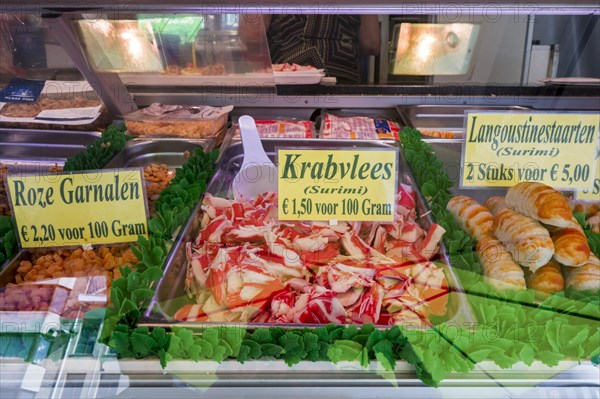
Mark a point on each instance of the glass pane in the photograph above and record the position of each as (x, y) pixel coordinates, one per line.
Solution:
(162, 49)
(28, 49)
(499, 49)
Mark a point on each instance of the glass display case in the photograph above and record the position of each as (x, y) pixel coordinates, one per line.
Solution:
(221, 298)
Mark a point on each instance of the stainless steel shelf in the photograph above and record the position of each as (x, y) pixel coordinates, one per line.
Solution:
(93, 378)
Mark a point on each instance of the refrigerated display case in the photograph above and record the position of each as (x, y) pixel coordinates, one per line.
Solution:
(487, 343)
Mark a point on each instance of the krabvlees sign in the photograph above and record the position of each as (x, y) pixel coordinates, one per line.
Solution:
(557, 149)
(350, 185)
(100, 207)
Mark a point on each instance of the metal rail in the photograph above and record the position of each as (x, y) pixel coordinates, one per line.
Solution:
(123, 10)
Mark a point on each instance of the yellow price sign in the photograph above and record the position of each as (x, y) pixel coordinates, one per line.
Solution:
(337, 184)
(73, 209)
(557, 149)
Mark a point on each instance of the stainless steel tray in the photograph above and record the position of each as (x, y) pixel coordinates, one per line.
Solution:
(170, 292)
(9, 270)
(140, 152)
(448, 118)
(31, 151)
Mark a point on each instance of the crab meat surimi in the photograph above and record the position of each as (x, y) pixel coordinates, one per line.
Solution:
(262, 316)
(217, 202)
(197, 263)
(238, 210)
(342, 277)
(278, 247)
(350, 297)
(354, 246)
(379, 239)
(411, 232)
(325, 231)
(265, 199)
(191, 312)
(299, 285)
(427, 273)
(339, 228)
(355, 227)
(242, 234)
(390, 276)
(205, 220)
(318, 306)
(275, 265)
(432, 285)
(240, 314)
(260, 216)
(431, 241)
(321, 257)
(233, 280)
(367, 232)
(409, 318)
(270, 214)
(406, 199)
(393, 292)
(368, 306)
(245, 265)
(292, 231)
(405, 295)
(214, 231)
(394, 230)
(282, 306)
(405, 253)
(312, 243)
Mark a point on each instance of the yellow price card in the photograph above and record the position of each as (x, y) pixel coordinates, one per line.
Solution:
(337, 184)
(73, 209)
(557, 149)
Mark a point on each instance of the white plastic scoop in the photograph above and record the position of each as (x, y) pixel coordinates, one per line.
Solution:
(257, 174)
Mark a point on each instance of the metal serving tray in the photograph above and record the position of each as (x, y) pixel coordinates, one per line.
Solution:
(139, 152)
(8, 272)
(136, 153)
(170, 293)
(448, 118)
(31, 151)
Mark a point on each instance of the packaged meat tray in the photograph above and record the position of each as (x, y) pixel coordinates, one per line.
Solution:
(285, 128)
(236, 263)
(52, 105)
(357, 128)
(193, 122)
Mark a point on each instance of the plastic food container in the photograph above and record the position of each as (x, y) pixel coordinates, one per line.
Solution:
(357, 127)
(160, 120)
(282, 128)
(54, 105)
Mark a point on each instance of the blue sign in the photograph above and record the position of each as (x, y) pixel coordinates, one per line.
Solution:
(22, 91)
